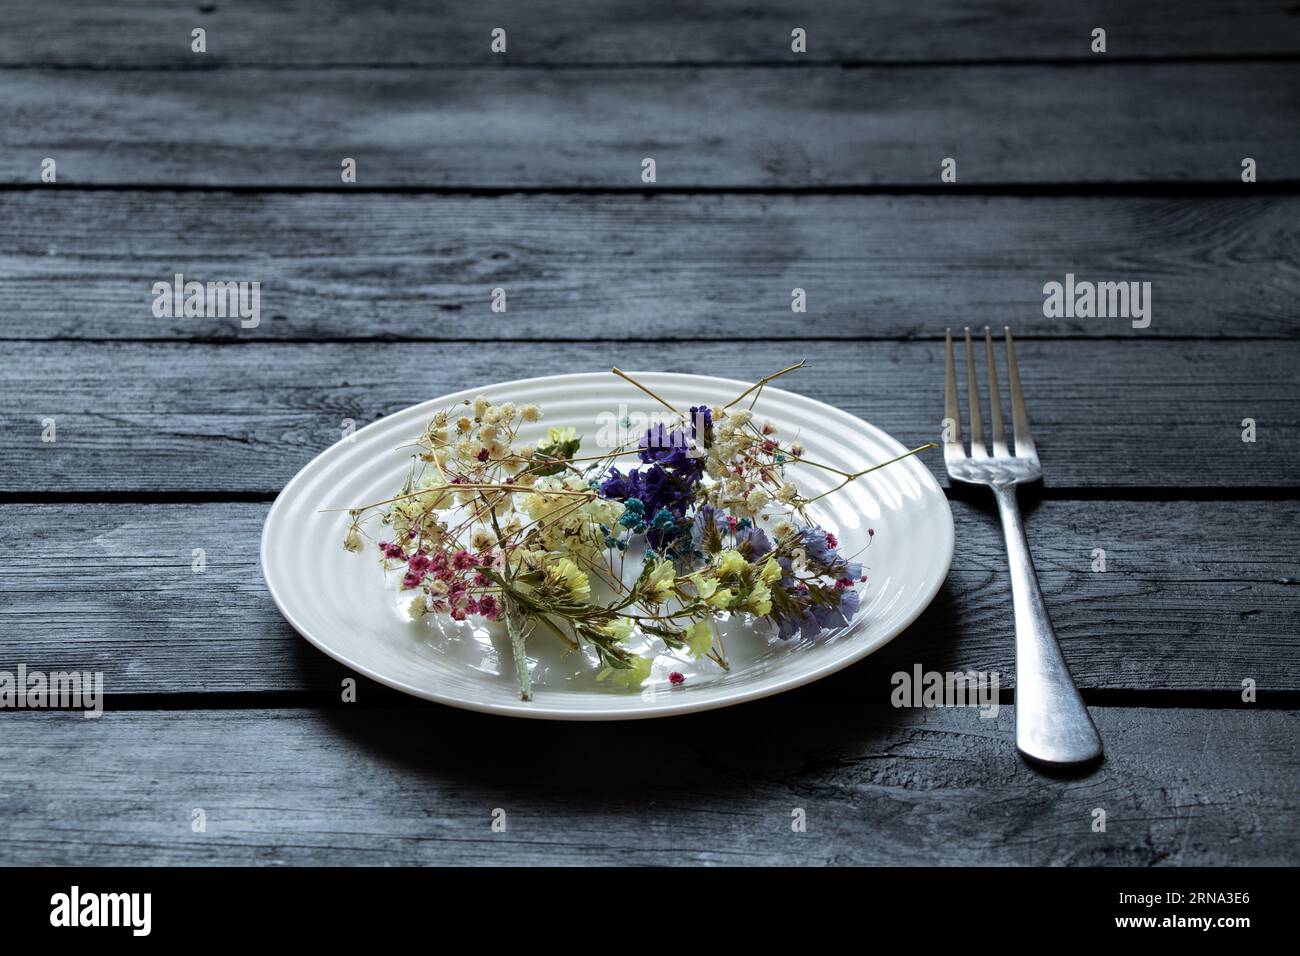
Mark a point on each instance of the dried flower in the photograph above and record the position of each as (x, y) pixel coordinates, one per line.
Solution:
(484, 527)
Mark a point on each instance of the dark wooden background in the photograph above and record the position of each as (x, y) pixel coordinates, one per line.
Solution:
(775, 170)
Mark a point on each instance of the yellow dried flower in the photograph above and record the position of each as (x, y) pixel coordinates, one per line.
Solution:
(658, 585)
(566, 581)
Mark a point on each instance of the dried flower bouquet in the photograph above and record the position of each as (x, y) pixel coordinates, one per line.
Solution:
(541, 536)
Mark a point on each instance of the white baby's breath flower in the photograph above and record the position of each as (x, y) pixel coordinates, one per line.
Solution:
(481, 405)
(784, 529)
(787, 493)
(418, 607)
(481, 539)
(508, 412)
(531, 413)
(463, 425)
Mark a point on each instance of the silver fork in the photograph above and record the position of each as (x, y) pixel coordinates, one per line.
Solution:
(1052, 724)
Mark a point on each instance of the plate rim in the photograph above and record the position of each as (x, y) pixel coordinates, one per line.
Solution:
(533, 709)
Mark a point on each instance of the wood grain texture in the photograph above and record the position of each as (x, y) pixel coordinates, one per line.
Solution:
(706, 128)
(81, 265)
(878, 786)
(1189, 601)
(224, 418)
(335, 32)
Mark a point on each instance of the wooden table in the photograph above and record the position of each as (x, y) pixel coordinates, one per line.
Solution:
(522, 171)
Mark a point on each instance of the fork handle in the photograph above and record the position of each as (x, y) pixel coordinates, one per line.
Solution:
(1052, 724)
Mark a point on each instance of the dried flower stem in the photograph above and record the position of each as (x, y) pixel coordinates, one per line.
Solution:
(518, 639)
(763, 382)
(658, 398)
(866, 471)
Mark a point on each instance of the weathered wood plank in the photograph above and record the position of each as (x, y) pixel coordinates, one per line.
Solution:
(749, 127)
(225, 418)
(621, 267)
(616, 32)
(1192, 599)
(878, 786)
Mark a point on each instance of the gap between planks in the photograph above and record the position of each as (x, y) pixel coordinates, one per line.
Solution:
(379, 697)
(1155, 189)
(631, 338)
(1116, 493)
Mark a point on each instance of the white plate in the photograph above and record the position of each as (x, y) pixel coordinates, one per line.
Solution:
(343, 604)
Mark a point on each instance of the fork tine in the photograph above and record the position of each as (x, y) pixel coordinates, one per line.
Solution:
(952, 446)
(977, 446)
(1019, 417)
(995, 401)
